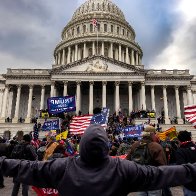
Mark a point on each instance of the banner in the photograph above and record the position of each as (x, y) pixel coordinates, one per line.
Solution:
(61, 104)
(133, 131)
(170, 134)
(45, 191)
(62, 135)
(51, 125)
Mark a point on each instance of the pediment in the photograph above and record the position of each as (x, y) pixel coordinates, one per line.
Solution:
(97, 65)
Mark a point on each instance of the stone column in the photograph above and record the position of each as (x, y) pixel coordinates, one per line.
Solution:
(56, 59)
(153, 98)
(28, 118)
(117, 97)
(91, 97)
(132, 57)
(78, 97)
(1, 99)
(5, 98)
(59, 58)
(136, 58)
(104, 83)
(130, 97)
(63, 58)
(120, 53)
(65, 88)
(178, 111)
(189, 95)
(127, 55)
(111, 50)
(16, 114)
(10, 103)
(102, 48)
(42, 97)
(93, 48)
(76, 52)
(167, 121)
(143, 96)
(84, 52)
(52, 88)
(69, 55)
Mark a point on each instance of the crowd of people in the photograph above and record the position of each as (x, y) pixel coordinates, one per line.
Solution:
(180, 151)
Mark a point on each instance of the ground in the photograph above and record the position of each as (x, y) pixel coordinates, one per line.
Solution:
(177, 191)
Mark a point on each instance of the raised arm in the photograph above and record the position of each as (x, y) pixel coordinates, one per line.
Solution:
(38, 173)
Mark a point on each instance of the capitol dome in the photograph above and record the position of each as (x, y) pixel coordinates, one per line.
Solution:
(98, 6)
(113, 37)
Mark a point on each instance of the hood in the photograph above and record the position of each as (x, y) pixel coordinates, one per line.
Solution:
(94, 145)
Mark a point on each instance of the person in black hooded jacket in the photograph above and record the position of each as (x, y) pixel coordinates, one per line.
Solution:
(186, 153)
(94, 172)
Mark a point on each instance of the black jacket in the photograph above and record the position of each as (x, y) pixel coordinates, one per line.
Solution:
(95, 173)
(187, 154)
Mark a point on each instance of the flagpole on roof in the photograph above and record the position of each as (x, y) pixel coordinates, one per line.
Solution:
(97, 39)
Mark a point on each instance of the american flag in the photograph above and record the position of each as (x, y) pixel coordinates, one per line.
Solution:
(79, 123)
(35, 136)
(190, 114)
(94, 22)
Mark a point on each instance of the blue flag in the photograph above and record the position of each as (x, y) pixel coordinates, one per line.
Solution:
(61, 104)
(51, 125)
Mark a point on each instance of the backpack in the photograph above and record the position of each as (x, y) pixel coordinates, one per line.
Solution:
(141, 154)
(18, 151)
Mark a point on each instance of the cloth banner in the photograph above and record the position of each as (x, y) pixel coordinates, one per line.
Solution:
(133, 131)
(62, 135)
(61, 104)
(51, 125)
(45, 191)
(170, 134)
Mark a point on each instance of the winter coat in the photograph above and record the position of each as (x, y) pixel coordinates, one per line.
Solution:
(156, 151)
(95, 173)
(187, 154)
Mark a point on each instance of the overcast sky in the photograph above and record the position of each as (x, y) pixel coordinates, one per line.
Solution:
(165, 29)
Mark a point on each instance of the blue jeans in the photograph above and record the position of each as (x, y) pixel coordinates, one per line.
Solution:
(150, 193)
(188, 192)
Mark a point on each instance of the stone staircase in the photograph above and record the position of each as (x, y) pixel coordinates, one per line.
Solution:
(26, 128)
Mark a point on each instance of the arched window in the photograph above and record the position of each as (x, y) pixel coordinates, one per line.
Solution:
(112, 28)
(73, 32)
(91, 28)
(118, 29)
(78, 30)
(84, 29)
(105, 28)
(123, 31)
(98, 27)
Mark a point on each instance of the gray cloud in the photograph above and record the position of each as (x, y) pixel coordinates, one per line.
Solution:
(30, 30)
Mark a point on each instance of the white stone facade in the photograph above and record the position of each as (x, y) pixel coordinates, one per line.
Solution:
(102, 67)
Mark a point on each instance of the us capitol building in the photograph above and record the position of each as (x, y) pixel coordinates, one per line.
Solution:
(103, 69)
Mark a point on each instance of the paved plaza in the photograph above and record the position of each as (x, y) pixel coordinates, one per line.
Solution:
(177, 191)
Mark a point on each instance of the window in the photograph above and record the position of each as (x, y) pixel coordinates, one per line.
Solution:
(72, 31)
(98, 27)
(105, 27)
(123, 32)
(118, 30)
(78, 30)
(84, 29)
(91, 28)
(112, 28)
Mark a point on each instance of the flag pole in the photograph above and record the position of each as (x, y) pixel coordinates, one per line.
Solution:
(97, 39)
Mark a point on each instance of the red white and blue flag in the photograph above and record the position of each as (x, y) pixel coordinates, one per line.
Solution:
(79, 123)
(190, 114)
(94, 22)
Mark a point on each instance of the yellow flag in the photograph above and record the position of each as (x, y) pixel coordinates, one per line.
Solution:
(170, 133)
(62, 135)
